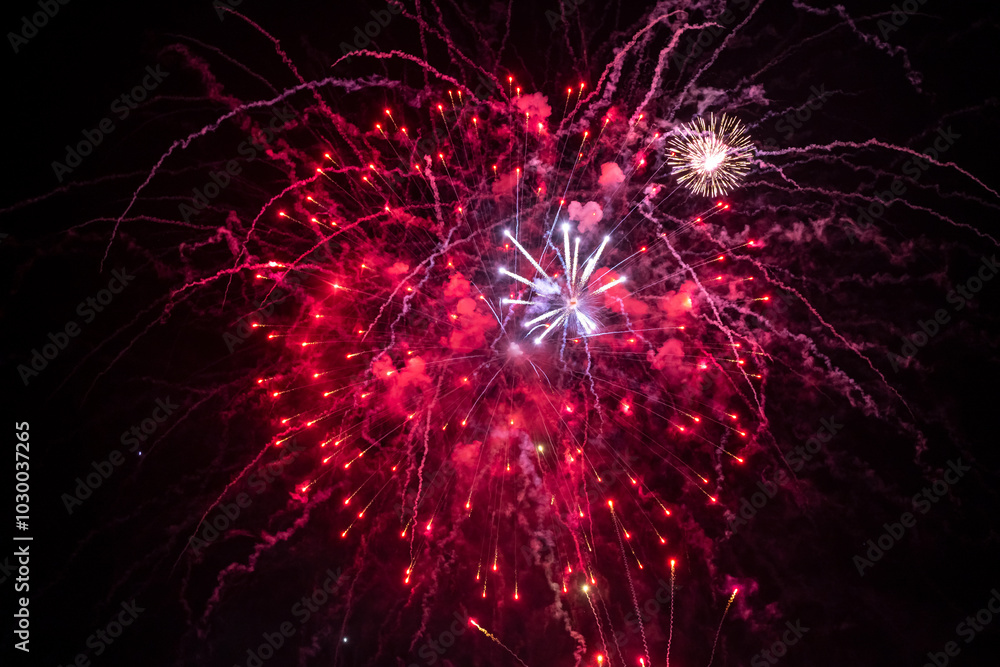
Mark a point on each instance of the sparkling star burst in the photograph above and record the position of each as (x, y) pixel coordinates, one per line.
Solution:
(566, 299)
(711, 158)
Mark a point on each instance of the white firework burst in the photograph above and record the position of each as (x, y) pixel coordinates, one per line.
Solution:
(711, 158)
(562, 300)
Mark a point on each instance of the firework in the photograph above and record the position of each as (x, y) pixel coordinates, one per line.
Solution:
(711, 158)
(567, 300)
(497, 362)
(417, 364)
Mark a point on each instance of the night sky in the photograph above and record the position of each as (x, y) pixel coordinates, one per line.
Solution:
(202, 328)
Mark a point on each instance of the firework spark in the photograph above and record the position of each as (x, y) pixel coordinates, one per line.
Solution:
(711, 158)
(408, 398)
(566, 299)
(408, 435)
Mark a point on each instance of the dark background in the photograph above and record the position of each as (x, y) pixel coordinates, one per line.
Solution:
(63, 81)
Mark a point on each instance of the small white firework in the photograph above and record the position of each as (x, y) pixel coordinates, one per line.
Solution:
(562, 301)
(711, 158)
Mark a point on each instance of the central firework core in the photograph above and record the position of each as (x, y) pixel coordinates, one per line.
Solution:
(711, 158)
(561, 300)
(715, 153)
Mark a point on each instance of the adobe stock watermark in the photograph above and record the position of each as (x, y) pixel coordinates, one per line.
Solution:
(649, 610)
(914, 168)
(440, 479)
(6, 569)
(31, 25)
(959, 297)
(779, 649)
(968, 629)
(23, 585)
(922, 502)
(244, 327)
(429, 142)
(248, 150)
(121, 107)
(566, 9)
(59, 341)
(797, 118)
(432, 650)
(372, 29)
(696, 45)
(901, 13)
(134, 437)
(102, 639)
(220, 7)
(212, 528)
(797, 459)
(301, 610)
